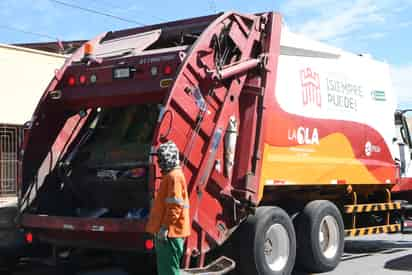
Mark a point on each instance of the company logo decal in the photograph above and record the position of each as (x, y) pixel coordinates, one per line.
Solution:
(304, 135)
(311, 94)
(378, 95)
(370, 148)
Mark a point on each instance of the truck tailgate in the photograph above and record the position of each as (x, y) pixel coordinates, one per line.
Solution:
(123, 234)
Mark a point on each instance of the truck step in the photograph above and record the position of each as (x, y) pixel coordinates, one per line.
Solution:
(390, 228)
(220, 266)
(406, 218)
(406, 226)
(372, 207)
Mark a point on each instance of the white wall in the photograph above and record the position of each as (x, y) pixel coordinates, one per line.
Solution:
(24, 76)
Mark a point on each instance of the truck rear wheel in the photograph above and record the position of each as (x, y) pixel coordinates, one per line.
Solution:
(267, 243)
(320, 236)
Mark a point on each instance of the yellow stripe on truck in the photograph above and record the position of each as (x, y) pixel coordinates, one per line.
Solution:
(372, 207)
(322, 163)
(372, 230)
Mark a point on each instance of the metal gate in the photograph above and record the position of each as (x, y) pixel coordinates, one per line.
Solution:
(10, 140)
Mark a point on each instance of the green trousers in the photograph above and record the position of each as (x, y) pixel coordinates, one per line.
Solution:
(168, 254)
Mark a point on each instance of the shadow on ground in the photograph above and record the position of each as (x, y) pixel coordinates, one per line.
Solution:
(403, 263)
(375, 246)
(297, 272)
(355, 249)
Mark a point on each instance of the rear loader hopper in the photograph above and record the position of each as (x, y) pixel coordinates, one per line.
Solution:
(276, 144)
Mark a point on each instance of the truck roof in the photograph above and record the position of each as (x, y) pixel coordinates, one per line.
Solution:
(301, 45)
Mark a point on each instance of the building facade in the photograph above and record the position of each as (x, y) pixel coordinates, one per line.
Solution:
(25, 74)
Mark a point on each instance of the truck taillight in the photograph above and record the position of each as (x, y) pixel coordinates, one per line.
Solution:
(71, 81)
(93, 78)
(29, 237)
(82, 79)
(154, 71)
(167, 70)
(149, 244)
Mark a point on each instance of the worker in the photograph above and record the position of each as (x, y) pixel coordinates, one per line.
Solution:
(169, 219)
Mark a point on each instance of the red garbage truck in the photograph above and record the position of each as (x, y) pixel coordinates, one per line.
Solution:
(285, 143)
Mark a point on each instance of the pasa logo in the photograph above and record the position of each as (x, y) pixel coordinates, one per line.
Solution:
(310, 88)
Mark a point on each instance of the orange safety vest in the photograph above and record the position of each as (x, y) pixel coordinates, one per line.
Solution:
(171, 206)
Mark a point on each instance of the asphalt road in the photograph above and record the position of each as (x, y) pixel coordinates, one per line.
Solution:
(374, 255)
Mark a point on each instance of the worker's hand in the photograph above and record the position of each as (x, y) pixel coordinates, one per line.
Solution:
(162, 234)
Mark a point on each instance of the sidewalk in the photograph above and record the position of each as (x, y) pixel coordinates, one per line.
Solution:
(8, 201)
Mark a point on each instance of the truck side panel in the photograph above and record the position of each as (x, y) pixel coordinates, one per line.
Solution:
(330, 122)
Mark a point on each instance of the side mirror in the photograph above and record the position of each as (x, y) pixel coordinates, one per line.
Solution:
(402, 161)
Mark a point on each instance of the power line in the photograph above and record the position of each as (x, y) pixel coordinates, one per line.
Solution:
(10, 28)
(117, 7)
(213, 6)
(73, 6)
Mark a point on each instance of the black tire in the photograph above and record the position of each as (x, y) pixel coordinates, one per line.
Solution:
(310, 255)
(254, 236)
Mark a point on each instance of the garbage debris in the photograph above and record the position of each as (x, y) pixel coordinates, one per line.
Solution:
(137, 214)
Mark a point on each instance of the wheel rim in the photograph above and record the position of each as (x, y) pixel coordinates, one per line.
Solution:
(329, 236)
(276, 247)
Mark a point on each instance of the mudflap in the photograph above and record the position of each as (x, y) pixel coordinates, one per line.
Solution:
(222, 265)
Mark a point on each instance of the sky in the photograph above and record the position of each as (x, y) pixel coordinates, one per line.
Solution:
(381, 28)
